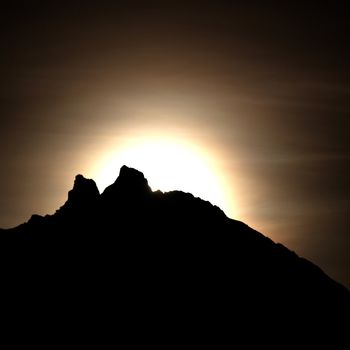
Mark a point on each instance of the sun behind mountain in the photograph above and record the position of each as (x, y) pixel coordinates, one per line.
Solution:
(169, 164)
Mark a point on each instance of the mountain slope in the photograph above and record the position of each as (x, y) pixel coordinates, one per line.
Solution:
(173, 257)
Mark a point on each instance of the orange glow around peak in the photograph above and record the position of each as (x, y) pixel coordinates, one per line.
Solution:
(168, 164)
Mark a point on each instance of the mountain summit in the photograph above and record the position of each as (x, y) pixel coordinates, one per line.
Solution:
(169, 259)
(130, 182)
(84, 191)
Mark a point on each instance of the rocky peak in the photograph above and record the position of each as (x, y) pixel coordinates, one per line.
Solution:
(130, 181)
(84, 191)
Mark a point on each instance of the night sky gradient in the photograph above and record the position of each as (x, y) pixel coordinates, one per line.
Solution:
(264, 84)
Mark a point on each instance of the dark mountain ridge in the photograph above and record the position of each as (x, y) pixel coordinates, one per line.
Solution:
(172, 257)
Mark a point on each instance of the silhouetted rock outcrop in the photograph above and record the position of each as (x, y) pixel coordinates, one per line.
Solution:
(130, 182)
(82, 197)
(84, 190)
(174, 262)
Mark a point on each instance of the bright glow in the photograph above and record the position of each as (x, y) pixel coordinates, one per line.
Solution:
(168, 164)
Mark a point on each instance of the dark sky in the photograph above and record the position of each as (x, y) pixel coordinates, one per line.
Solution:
(265, 84)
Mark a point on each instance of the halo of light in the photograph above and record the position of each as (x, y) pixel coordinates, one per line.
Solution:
(168, 164)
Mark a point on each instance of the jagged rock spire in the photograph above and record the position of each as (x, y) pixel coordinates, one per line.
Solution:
(83, 193)
(130, 182)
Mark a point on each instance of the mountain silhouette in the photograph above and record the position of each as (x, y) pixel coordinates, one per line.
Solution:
(167, 264)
